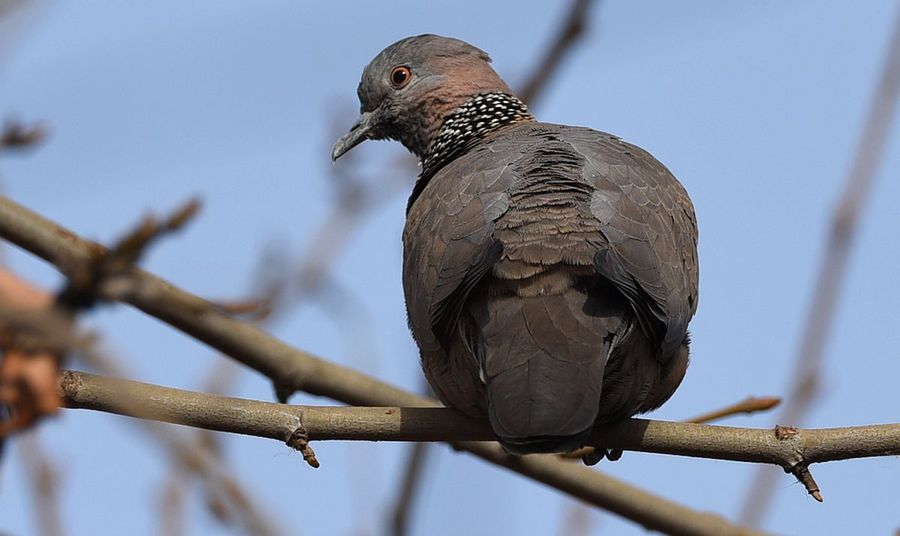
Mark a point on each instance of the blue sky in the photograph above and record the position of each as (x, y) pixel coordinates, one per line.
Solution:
(755, 107)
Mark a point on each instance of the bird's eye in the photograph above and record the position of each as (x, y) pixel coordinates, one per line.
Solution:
(400, 76)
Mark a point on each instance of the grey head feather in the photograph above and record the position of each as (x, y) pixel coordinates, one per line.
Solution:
(445, 73)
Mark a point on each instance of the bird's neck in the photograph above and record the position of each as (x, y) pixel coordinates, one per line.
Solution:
(470, 122)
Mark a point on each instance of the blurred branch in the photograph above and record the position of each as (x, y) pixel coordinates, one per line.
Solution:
(15, 292)
(220, 502)
(858, 185)
(292, 370)
(412, 476)
(192, 457)
(171, 505)
(111, 267)
(36, 336)
(44, 479)
(570, 31)
(790, 448)
(221, 379)
(16, 16)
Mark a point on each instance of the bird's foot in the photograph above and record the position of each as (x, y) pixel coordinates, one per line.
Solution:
(595, 455)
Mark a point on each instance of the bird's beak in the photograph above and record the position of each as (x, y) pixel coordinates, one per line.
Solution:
(359, 132)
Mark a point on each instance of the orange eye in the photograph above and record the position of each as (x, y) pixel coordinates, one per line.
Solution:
(400, 76)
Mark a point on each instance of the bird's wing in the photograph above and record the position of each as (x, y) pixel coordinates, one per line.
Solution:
(448, 244)
(650, 227)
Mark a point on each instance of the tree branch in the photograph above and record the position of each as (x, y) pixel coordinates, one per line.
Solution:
(749, 405)
(785, 447)
(293, 370)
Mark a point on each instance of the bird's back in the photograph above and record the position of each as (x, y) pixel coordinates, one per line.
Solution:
(550, 272)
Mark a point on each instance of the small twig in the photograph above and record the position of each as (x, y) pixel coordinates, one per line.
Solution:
(749, 405)
(299, 441)
(805, 477)
(799, 469)
(255, 309)
(110, 266)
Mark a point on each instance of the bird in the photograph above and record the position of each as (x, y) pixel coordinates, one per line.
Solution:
(549, 271)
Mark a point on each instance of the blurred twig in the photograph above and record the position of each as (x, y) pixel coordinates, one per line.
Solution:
(409, 487)
(19, 136)
(173, 493)
(577, 520)
(44, 479)
(16, 16)
(111, 267)
(749, 405)
(171, 505)
(858, 185)
(570, 31)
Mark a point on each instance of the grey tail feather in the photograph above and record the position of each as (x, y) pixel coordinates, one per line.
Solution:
(543, 360)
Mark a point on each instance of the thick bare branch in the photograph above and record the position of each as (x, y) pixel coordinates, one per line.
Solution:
(748, 405)
(279, 421)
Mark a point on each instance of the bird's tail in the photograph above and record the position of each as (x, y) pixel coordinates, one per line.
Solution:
(543, 360)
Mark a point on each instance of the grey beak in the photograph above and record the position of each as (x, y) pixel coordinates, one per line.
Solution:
(359, 132)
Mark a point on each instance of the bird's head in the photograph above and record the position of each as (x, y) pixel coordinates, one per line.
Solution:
(411, 86)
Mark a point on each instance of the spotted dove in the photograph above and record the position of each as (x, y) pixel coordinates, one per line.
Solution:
(549, 271)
